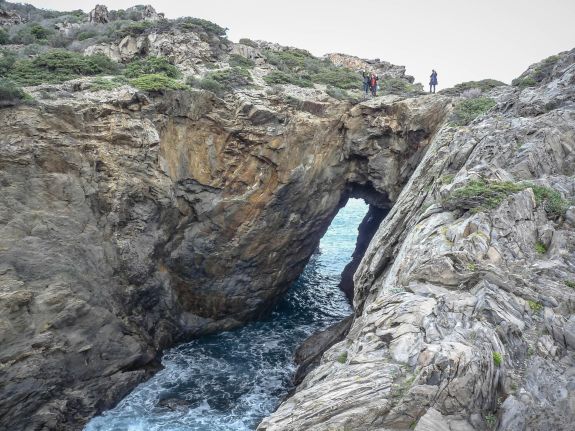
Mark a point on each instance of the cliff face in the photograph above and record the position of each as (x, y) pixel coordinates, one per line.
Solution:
(131, 222)
(465, 297)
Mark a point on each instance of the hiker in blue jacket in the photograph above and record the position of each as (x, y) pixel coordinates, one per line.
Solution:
(366, 82)
(432, 81)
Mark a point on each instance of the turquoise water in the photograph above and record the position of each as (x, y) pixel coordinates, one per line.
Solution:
(232, 380)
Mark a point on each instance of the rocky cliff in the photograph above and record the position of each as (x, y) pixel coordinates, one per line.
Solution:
(132, 220)
(464, 299)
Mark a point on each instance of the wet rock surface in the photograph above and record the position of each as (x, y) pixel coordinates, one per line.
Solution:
(464, 307)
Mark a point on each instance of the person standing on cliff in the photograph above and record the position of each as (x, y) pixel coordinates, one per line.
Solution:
(373, 84)
(432, 81)
(366, 80)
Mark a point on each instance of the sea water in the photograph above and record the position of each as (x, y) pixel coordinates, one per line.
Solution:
(232, 380)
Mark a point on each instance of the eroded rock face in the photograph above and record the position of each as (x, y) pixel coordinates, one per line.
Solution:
(464, 319)
(99, 15)
(131, 222)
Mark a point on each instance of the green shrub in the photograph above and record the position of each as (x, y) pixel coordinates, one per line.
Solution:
(528, 81)
(554, 204)
(342, 358)
(4, 37)
(239, 61)
(399, 86)
(279, 77)
(87, 34)
(497, 358)
(339, 77)
(540, 247)
(10, 93)
(209, 27)
(156, 83)
(58, 66)
(536, 307)
(248, 42)
(469, 109)
(151, 65)
(479, 194)
(7, 60)
(222, 81)
(483, 85)
(133, 29)
(570, 283)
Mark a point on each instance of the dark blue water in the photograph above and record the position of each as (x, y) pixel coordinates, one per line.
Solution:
(232, 380)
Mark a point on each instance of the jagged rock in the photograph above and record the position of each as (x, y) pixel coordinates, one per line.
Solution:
(186, 49)
(382, 68)
(99, 15)
(9, 18)
(147, 13)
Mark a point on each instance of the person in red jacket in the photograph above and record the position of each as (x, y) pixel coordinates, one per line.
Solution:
(373, 84)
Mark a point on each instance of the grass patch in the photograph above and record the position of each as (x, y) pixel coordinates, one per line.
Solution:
(469, 109)
(58, 66)
(497, 358)
(342, 358)
(536, 307)
(472, 267)
(156, 83)
(222, 81)
(554, 204)
(570, 283)
(540, 247)
(446, 179)
(150, 66)
(337, 93)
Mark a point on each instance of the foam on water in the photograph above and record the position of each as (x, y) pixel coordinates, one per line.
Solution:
(231, 381)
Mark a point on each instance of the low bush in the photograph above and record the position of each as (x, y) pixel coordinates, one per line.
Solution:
(469, 109)
(156, 83)
(222, 81)
(279, 77)
(248, 42)
(149, 66)
(540, 247)
(133, 29)
(536, 307)
(570, 283)
(483, 85)
(7, 60)
(399, 86)
(105, 84)
(4, 37)
(337, 93)
(58, 66)
(538, 74)
(10, 93)
(240, 61)
(480, 194)
(198, 24)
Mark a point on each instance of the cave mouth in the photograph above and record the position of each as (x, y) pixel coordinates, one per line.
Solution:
(232, 380)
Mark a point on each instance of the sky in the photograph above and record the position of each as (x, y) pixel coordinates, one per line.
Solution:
(462, 39)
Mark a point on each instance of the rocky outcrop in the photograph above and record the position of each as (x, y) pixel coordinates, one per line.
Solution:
(464, 299)
(9, 18)
(99, 15)
(130, 222)
(383, 69)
